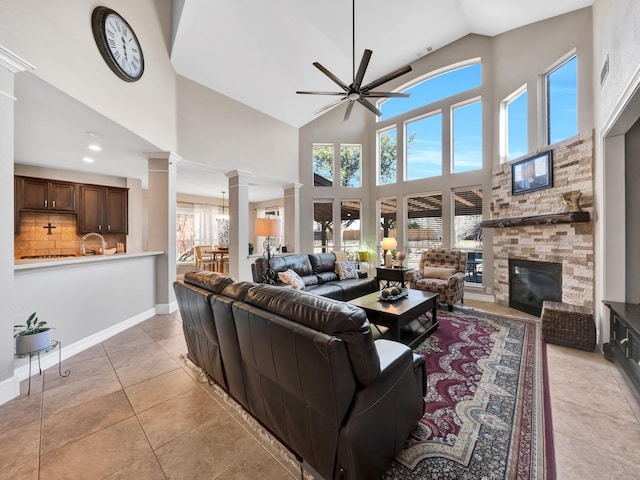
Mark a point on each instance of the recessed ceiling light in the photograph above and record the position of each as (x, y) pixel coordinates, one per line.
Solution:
(92, 134)
(95, 148)
(88, 160)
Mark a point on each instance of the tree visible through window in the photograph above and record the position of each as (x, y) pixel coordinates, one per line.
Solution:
(350, 165)
(323, 165)
(388, 156)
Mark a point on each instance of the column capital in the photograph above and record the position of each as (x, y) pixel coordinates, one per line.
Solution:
(156, 161)
(238, 173)
(292, 185)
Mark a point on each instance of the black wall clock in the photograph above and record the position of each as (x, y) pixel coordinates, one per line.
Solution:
(117, 43)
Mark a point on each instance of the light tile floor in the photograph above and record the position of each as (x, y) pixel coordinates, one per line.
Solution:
(132, 409)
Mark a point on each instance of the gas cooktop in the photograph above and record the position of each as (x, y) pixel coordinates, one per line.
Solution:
(56, 255)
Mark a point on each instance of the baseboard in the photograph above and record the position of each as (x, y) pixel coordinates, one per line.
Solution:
(481, 297)
(166, 308)
(9, 388)
(51, 358)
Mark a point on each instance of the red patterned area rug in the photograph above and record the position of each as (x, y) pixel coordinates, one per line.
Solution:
(488, 413)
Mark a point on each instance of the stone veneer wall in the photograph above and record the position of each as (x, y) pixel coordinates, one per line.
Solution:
(569, 244)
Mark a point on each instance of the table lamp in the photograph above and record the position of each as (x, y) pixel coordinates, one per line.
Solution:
(268, 227)
(388, 244)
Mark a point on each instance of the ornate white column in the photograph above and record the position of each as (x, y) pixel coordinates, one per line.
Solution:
(10, 64)
(239, 263)
(162, 225)
(292, 216)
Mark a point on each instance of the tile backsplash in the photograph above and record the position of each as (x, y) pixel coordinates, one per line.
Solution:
(34, 239)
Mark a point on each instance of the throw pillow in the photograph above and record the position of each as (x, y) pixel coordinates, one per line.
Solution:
(291, 278)
(340, 256)
(438, 272)
(346, 270)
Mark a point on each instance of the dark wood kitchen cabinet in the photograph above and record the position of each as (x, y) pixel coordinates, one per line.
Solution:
(39, 194)
(103, 209)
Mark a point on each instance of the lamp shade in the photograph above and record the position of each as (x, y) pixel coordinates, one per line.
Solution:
(268, 227)
(389, 243)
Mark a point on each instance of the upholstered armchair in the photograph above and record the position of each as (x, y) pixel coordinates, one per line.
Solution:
(442, 271)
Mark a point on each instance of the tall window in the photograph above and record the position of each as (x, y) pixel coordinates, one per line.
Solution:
(424, 225)
(322, 165)
(387, 156)
(185, 234)
(322, 227)
(467, 137)
(514, 142)
(388, 211)
(467, 234)
(424, 147)
(350, 165)
(350, 225)
(433, 89)
(562, 101)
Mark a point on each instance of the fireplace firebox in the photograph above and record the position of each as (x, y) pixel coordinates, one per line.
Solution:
(531, 283)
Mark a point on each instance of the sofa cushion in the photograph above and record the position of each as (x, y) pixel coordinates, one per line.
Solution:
(324, 277)
(438, 272)
(356, 288)
(322, 262)
(310, 280)
(237, 290)
(346, 270)
(213, 281)
(339, 319)
(291, 278)
(328, 290)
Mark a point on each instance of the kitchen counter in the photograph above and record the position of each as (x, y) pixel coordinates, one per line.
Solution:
(36, 263)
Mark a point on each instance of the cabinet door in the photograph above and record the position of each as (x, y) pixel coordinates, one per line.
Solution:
(91, 209)
(34, 194)
(62, 196)
(116, 210)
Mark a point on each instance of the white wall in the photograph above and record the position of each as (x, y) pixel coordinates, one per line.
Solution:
(56, 37)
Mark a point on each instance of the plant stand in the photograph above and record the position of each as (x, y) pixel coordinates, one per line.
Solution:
(54, 344)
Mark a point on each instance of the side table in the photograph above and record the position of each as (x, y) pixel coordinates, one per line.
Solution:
(54, 344)
(387, 276)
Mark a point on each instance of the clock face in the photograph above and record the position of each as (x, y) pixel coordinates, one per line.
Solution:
(118, 44)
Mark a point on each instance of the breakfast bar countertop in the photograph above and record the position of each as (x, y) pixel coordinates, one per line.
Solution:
(34, 263)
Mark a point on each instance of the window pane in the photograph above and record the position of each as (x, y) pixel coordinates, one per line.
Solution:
(424, 147)
(351, 230)
(434, 89)
(350, 166)
(323, 165)
(467, 234)
(562, 101)
(322, 227)
(388, 156)
(185, 235)
(424, 225)
(517, 127)
(467, 137)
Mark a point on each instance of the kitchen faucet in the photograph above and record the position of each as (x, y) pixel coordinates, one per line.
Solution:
(104, 244)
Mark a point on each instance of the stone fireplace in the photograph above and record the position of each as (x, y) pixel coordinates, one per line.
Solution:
(531, 283)
(571, 245)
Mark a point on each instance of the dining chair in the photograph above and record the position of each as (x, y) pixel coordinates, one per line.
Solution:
(204, 261)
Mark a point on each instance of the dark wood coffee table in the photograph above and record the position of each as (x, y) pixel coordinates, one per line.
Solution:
(402, 316)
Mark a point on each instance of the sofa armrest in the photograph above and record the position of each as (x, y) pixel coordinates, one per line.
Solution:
(384, 413)
(414, 275)
(456, 278)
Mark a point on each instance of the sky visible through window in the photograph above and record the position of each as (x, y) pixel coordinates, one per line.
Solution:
(517, 127)
(563, 101)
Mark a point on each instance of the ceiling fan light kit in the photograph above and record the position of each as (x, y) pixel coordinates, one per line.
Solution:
(356, 92)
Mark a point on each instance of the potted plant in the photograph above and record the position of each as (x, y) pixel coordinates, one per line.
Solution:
(251, 248)
(366, 253)
(32, 336)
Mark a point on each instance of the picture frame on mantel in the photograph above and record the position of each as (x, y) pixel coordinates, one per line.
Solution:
(533, 173)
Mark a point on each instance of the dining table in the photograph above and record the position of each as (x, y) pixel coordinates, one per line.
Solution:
(218, 256)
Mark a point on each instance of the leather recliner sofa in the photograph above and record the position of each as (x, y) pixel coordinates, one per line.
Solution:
(317, 271)
(307, 368)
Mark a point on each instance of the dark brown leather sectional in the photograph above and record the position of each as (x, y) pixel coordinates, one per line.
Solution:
(307, 368)
(317, 271)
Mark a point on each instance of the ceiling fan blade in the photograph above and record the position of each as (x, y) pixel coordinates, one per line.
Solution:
(331, 76)
(331, 105)
(347, 113)
(370, 106)
(386, 78)
(387, 94)
(320, 93)
(364, 63)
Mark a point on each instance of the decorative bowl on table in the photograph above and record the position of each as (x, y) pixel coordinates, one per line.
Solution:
(392, 294)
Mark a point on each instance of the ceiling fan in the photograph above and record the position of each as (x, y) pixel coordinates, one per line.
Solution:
(356, 92)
